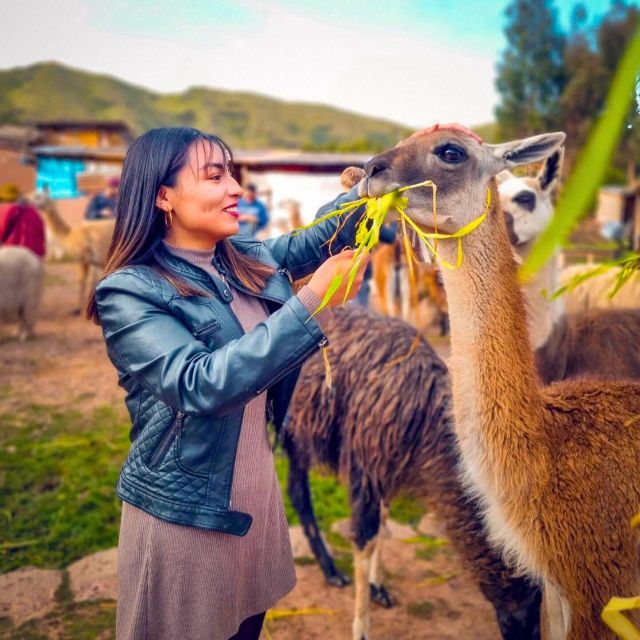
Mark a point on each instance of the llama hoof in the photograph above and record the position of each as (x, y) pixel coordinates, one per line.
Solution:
(338, 580)
(381, 596)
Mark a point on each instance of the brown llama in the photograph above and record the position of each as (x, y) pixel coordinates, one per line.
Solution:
(555, 467)
(385, 426)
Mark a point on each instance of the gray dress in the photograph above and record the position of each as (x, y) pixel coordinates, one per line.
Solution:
(184, 583)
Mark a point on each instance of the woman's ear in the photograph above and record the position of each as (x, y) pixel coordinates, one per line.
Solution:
(162, 199)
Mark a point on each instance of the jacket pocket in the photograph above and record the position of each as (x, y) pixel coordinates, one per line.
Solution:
(166, 441)
(206, 329)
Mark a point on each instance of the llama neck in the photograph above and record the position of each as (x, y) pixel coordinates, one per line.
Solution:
(57, 225)
(495, 386)
(542, 311)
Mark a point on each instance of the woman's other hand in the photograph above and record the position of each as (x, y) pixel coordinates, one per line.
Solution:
(339, 264)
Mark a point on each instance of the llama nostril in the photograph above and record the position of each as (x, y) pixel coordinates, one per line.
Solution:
(375, 166)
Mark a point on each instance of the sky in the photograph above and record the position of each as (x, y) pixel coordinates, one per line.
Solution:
(411, 62)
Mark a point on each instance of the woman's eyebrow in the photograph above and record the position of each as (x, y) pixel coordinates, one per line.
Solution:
(212, 165)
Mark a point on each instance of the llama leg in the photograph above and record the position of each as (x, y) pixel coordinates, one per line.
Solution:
(23, 331)
(365, 522)
(378, 591)
(361, 569)
(300, 496)
(28, 314)
(84, 278)
(517, 605)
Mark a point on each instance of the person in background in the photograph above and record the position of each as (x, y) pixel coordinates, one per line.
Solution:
(9, 192)
(20, 223)
(253, 213)
(103, 204)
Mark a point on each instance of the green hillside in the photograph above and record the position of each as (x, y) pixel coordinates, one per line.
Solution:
(51, 91)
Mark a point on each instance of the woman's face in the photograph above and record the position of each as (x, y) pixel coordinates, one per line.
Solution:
(204, 200)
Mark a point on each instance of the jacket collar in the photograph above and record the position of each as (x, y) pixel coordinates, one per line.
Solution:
(273, 290)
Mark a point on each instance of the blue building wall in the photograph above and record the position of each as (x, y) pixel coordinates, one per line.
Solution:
(59, 174)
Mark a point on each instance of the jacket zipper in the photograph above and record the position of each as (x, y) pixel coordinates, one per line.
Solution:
(227, 279)
(206, 328)
(287, 273)
(167, 440)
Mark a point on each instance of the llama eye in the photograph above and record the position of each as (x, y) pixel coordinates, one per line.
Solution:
(451, 153)
(526, 199)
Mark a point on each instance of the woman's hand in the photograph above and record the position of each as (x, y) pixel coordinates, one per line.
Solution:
(339, 264)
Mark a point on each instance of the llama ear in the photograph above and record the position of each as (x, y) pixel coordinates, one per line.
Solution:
(534, 149)
(503, 176)
(550, 172)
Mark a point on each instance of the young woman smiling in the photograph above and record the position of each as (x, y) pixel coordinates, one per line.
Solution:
(207, 338)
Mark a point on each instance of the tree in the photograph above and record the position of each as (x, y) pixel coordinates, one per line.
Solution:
(614, 35)
(591, 56)
(585, 90)
(531, 74)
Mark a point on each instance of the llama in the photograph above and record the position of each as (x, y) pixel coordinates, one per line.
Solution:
(594, 292)
(425, 307)
(555, 467)
(567, 345)
(87, 244)
(385, 426)
(21, 276)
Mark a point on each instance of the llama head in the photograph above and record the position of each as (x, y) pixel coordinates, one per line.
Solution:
(527, 203)
(457, 161)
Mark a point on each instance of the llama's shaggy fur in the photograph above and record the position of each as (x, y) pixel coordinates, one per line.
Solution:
(555, 466)
(21, 275)
(594, 292)
(386, 426)
(593, 343)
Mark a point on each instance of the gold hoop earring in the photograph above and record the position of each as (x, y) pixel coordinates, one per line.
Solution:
(168, 218)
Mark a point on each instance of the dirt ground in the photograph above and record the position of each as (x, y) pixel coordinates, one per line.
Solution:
(66, 365)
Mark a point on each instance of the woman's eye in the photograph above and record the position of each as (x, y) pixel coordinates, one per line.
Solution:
(451, 154)
(216, 177)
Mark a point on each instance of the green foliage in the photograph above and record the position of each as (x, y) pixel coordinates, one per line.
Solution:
(68, 621)
(592, 163)
(58, 471)
(57, 484)
(406, 510)
(330, 502)
(592, 55)
(50, 91)
(531, 73)
(550, 80)
(424, 610)
(428, 546)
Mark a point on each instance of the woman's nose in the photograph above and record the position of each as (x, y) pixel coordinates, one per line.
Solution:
(235, 188)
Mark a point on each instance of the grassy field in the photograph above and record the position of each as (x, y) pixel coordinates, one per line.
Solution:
(58, 470)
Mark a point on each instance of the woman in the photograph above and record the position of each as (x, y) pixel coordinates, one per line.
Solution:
(208, 339)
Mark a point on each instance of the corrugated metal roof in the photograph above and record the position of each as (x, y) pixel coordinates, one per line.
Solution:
(95, 153)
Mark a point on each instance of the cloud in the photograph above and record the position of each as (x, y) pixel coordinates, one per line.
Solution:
(410, 71)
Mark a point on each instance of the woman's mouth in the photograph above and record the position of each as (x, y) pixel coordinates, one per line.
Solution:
(232, 210)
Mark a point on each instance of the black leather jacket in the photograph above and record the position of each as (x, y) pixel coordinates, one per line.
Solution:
(189, 369)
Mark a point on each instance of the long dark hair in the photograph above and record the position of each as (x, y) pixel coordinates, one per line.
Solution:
(153, 160)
